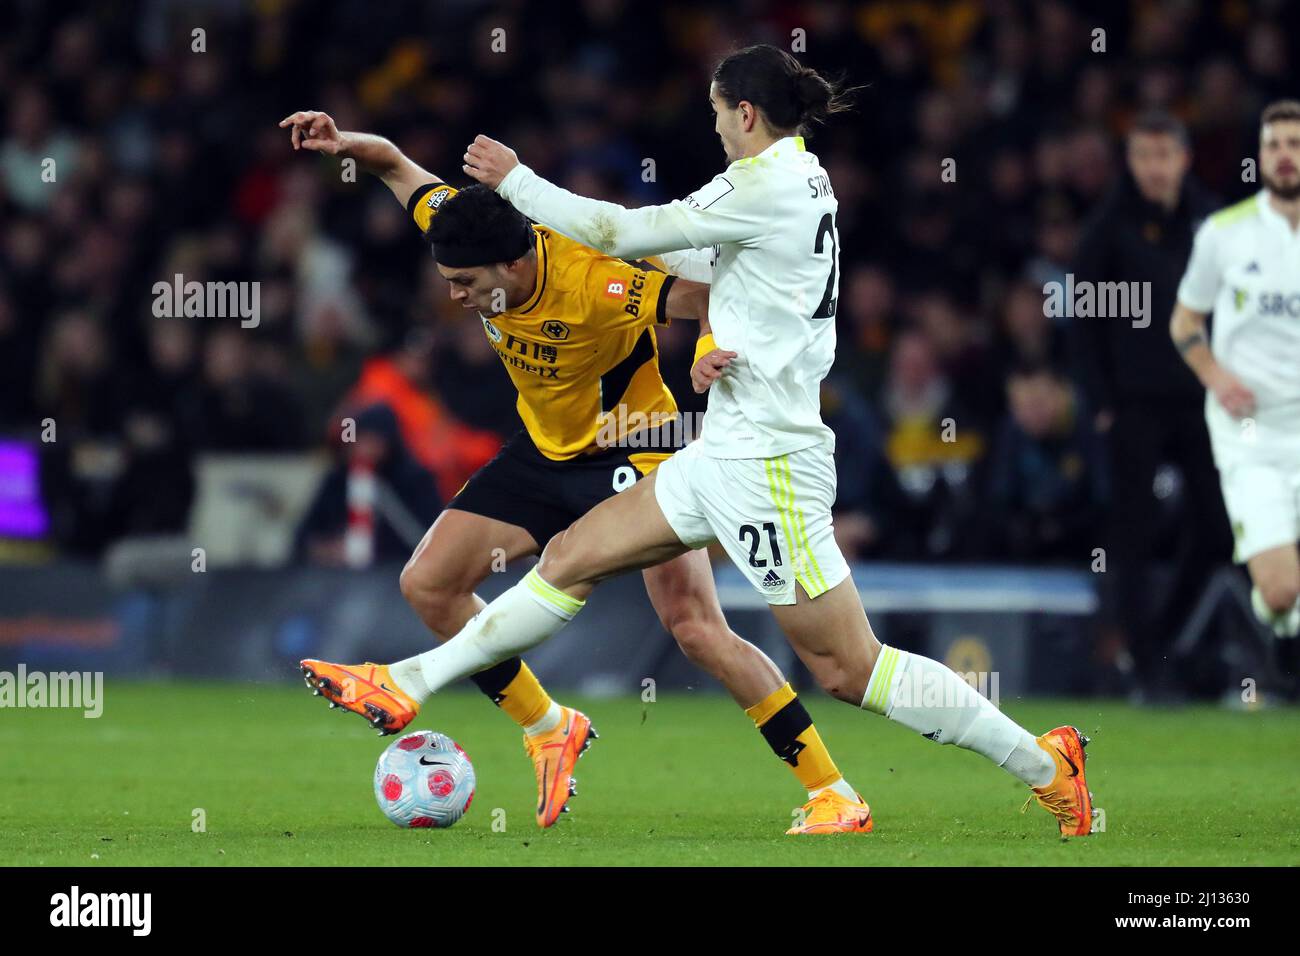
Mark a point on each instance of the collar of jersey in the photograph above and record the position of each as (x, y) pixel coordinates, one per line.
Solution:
(791, 144)
(1271, 216)
(543, 258)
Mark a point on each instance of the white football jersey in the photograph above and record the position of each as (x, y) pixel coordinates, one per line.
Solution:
(767, 225)
(1245, 268)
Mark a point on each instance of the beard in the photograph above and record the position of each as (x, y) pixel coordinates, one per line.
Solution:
(1286, 192)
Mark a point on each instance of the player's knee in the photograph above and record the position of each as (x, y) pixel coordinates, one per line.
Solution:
(430, 597)
(553, 560)
(1280, 595)
(843, 680)
(409, 583)
(700, 639)
(559, 564)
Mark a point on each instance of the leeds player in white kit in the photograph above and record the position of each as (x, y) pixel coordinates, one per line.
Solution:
(761, 479)
(1245, 268)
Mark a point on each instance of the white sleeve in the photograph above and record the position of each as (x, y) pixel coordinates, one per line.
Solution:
(1201, 281)
(717, 212)
(693, 264)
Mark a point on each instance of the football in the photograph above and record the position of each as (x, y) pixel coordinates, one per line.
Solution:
(424, 779)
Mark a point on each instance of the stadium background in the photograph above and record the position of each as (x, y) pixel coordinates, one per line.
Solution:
(183, 433)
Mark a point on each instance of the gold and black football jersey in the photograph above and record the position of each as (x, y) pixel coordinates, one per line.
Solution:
(582, 345)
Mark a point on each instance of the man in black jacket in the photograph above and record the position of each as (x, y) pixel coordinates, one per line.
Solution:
(1146, 401)
(402, 498)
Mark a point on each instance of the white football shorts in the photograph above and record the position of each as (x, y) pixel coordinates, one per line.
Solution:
(771, 515)
(1263, 503)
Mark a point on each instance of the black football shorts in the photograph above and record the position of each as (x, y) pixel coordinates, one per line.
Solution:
(523, 487)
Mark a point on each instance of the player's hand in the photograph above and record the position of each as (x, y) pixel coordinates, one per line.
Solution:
(489, 161)
(1237, 399)
(709, 369)
(314, 130)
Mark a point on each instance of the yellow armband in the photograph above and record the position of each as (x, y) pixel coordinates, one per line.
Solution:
(703, 346)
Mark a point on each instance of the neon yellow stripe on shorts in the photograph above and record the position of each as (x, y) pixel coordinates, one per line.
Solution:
(780, 510)
(777, 489)
(803, 532)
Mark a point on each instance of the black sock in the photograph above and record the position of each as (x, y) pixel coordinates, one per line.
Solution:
(496, 678)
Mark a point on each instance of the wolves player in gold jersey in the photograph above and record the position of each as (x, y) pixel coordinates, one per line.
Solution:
(575, 330)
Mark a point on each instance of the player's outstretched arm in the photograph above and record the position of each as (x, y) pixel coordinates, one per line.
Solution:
(1187, 329)
(727, 214)
(314, 130)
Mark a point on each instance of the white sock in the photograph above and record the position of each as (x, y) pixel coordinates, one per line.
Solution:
(521, 618)
(928, 697)
(1027, 763)
(548, 721)
(840, 786)
(409, 678)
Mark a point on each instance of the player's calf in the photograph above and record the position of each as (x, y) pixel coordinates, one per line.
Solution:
(683, 596)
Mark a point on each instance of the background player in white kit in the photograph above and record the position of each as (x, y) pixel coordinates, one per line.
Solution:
(761, 479)
(1245, 268)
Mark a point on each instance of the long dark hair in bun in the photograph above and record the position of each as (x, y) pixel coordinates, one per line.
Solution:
(791, 96)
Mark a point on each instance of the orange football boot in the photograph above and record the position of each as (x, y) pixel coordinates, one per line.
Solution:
(365, 689)
(828, 812)
(1066, 797)
(554, 753)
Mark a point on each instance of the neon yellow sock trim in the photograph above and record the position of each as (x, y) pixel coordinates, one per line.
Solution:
(566, 605)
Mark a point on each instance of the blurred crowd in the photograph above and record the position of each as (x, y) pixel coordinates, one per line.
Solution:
(134, 148)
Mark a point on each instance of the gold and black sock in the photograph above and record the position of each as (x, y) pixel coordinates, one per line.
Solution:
(514, 688)
(788, 729)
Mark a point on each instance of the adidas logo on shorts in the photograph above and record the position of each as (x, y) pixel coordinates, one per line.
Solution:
(773, 580)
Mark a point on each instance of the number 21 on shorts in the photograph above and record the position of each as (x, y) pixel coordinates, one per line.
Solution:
(749, 535)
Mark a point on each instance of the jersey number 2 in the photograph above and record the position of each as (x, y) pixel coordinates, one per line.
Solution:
(826, 308)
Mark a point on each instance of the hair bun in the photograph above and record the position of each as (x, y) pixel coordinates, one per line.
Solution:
(812, 89)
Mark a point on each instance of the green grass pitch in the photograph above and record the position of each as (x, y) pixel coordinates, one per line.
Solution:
(685, 780)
